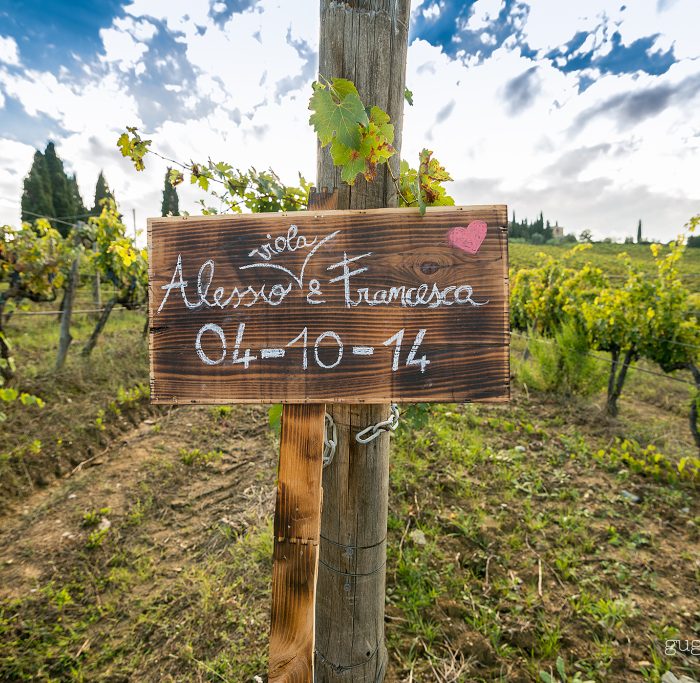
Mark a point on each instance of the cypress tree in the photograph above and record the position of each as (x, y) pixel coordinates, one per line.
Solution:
(171, 203)
(78, 204)
(639, 232)
(61, 190)
(102, 191)
(36, 195)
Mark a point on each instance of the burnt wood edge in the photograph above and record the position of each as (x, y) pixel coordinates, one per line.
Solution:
(501, 210)
(150, 312)
(501, 398)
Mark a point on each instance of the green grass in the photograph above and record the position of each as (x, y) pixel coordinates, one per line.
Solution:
(501, 497)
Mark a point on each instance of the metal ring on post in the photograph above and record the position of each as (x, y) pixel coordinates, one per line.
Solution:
(373, 431)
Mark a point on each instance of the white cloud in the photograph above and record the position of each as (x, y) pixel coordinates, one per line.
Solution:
(433, 11)
(483, 13)
(8, 51)
(15, 160)
(552, 23)
(125, 42)
(534, 161)
(96, 107)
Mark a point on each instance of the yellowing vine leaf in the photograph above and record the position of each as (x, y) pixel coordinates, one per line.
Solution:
(351, 160)
(424, 186)
(374, 148)
(134, 147)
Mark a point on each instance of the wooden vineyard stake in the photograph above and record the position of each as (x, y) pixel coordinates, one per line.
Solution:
(297, 531)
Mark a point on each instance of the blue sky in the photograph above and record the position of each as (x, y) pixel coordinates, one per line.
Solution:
(587, 110)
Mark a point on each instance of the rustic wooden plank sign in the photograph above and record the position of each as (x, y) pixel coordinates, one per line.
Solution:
(339, 306)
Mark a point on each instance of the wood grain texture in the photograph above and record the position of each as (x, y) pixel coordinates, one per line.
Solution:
(296, 529)
(352, 568)
(466, 344)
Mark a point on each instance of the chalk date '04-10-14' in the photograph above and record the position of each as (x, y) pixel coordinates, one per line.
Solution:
(326, 351)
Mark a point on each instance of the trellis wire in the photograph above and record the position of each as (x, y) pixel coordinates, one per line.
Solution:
(595, 355)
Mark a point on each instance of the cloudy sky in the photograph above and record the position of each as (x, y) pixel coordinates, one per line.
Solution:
(588, 110)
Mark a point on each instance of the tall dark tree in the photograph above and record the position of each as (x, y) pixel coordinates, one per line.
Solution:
(102, 191)
(50, 192)
(639, 232)
(171, 203)
(61, 190)
(78, 205)
(37, 199)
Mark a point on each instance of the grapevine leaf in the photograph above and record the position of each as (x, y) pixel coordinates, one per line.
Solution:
(175, 177)
(340, 119)
(8, 394)
(342, 87)
(430, 175)
(419, 196)
(408, 96)
(381, 120)
(131, 145)
(123, 144)
(351, 160)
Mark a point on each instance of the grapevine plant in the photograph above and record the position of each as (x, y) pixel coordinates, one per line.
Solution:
(33, 262)
(359, 139)
(647, 315)
(122, 263)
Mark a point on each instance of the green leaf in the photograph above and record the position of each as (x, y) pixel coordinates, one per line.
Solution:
(418, 195)
(381, 120)
(561, 669)
(351, 160)
(342, 87)
(175, 177)
(124, 144)
(408, 96)
(8, 394)
(31, 400)
(274, 416)
(337, 119)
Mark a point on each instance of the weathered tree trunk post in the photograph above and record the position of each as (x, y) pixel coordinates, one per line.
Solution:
(96, 289)
(365, 41)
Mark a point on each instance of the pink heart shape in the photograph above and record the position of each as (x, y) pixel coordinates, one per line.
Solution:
(468, 239)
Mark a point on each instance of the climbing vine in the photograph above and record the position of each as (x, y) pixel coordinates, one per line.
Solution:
(359, 137)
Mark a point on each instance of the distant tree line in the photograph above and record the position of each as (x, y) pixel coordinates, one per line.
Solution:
(539, 231)
(51, 193)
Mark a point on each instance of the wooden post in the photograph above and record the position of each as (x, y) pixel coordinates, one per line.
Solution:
(365, 41)
(65, 337)
(297, 523)
(96, 289)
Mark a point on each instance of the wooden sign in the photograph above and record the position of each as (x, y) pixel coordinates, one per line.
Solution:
(339, 306)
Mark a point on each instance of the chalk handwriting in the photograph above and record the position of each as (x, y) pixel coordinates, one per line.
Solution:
(290, 242)
(246, 296)
(326, 355)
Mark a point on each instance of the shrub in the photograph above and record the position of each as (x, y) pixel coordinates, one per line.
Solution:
(563, 365)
